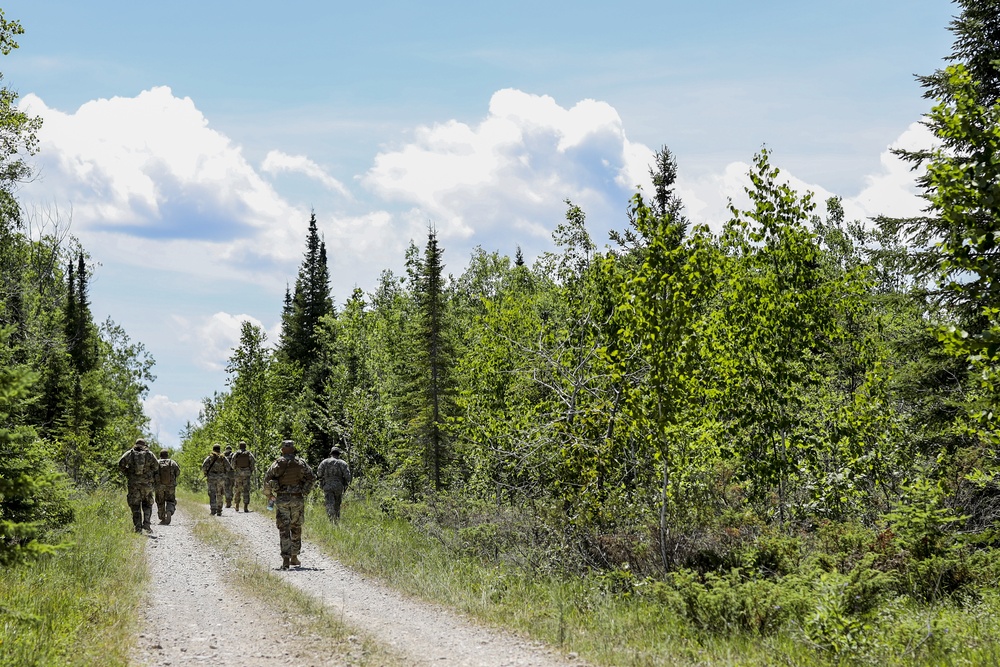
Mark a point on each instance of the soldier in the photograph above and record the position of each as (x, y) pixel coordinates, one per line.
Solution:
(139, 467)
(288, 480)
(166, 485)
(245, 464)
(230, 476)
(215, 468)
(334, 477)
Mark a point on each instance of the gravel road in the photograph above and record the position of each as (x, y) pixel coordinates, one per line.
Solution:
(194, 617)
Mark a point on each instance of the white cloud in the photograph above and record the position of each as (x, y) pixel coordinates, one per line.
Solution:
(215, 337)
(892, 191)
(277, 162)
(150, 168)
(510, 174)
(168, 417)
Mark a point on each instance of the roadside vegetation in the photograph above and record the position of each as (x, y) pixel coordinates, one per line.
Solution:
(815, 609)
(78, 605)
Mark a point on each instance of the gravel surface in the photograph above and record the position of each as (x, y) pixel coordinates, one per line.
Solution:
(194, 618)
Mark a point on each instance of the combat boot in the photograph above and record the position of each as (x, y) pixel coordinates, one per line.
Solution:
(148, 528)
(294, 560)
(166, 518)
(284, 562)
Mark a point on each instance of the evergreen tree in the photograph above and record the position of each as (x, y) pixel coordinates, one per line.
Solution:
(309, 302)
(301, 373)
(427, 400)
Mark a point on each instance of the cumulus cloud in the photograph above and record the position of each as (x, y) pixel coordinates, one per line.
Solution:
(167, 418)
(511, 172)
(215, 337)
(150, 167)
(891, 191)
(277, 162)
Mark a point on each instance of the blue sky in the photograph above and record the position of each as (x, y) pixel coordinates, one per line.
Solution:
(185, 143)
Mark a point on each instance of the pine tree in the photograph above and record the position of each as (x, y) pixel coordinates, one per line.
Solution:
(302, 373)
(429, 400)
(81, 333)
(954, 245)
(976, 47)
(310, 301)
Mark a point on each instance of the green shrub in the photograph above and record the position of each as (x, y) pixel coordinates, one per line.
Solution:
(727, 603)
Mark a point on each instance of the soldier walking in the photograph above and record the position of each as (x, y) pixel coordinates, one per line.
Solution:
(244, 463)
(166, 487)
(230, 476)
(215, 468)
(334, 477)
(139, 467)
(287, 482)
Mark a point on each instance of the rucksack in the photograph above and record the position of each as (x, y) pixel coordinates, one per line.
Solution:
(166, 472)
(241, 459)
(292, 473)
(137, 463)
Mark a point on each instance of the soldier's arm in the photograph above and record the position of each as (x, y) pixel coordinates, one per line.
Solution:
(308, 477)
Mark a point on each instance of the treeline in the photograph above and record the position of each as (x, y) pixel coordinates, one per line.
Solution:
(71, 389)
(679, 400)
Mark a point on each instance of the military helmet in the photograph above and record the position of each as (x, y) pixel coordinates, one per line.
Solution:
(139, 442)
(336, 452)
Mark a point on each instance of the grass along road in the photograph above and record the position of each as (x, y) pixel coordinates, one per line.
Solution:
(237, 607)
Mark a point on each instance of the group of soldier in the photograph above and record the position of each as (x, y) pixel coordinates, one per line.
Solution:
(287, 482)
(228, 474)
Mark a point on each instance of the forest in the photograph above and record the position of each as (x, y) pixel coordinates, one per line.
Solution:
(795, 417)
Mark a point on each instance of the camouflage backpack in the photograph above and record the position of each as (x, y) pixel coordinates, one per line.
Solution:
(241, 459)
(137, 463)
(292, 473)
(166, 472)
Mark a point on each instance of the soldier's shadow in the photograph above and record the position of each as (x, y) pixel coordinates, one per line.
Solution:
(302, 568)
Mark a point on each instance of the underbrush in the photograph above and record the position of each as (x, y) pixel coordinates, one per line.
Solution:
(77, 606)
(736, 593)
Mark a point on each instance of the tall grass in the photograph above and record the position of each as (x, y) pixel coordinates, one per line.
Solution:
(607, 623)
(79, 606)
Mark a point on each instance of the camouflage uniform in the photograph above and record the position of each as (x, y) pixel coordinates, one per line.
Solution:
(334, 477)
(230, 476)
(288, 480)
(244, 464)
(166, 485)
(215, 469)
(139, 466)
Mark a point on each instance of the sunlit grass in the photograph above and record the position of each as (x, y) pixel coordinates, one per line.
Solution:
(79, 606)
(579, 616)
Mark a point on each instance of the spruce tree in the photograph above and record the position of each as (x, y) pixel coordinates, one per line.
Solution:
(309, 302)
(300, 367)
(435, 357)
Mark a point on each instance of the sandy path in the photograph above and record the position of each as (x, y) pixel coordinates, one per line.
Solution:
(194, 619)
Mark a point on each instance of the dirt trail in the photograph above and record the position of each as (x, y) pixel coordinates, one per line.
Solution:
(194, 618)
